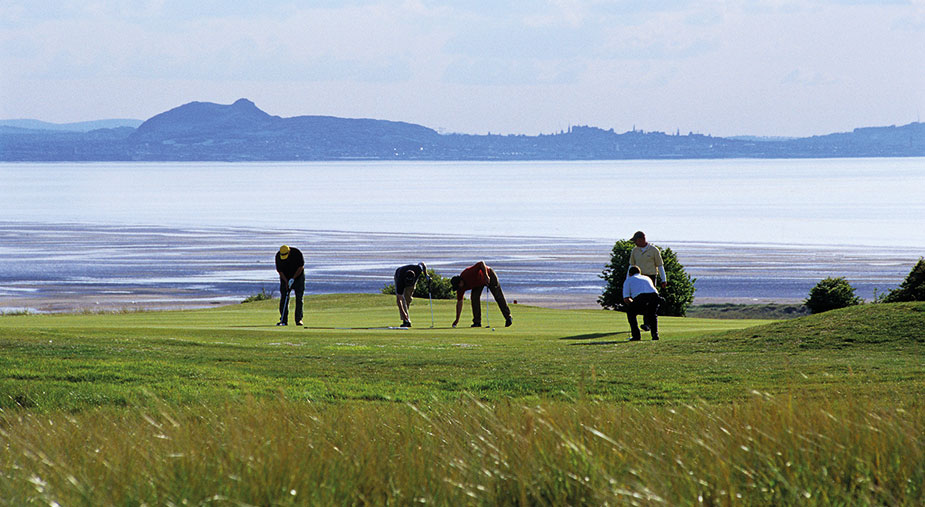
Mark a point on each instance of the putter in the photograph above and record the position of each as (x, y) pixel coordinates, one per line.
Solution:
(488, 307)
(430, 296)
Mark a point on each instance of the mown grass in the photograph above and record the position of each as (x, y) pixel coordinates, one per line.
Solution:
(220, 406)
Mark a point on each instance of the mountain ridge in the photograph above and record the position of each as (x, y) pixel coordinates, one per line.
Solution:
(241, 131)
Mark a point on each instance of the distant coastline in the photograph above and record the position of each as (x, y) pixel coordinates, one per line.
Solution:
(202, 131)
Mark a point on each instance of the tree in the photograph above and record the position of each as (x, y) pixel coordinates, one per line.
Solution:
(912, 288)
(831, 294)
(678, 295)
(439, 285)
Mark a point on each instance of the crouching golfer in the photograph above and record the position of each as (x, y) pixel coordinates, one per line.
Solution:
(640, 296)
(474, 278)
(406, 277)
(291, 268)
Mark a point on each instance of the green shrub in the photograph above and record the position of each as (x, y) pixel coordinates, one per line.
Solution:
(678, 295)
(831, 294)
(440, 287)
(912, 288)
(263, 295)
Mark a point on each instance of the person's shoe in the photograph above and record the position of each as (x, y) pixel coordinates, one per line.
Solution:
(476, 324)
(508, 321)
(644, 327)
(281, 323)
(655, 338)
(633, 339)
(406, 323)
(298, 323)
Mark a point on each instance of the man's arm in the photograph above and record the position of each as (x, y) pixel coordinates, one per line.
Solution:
(483, 268)
(459, 305)
(299, 271)
(661, 268)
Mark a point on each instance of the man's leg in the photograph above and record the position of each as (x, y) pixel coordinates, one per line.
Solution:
(496, 292)
(650, 313)
(631, 312)
(298, 287)
(407, 296)
(283, 303)
(476, 306)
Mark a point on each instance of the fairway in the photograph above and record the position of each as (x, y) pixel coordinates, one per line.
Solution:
(222, 404)
(342, 353)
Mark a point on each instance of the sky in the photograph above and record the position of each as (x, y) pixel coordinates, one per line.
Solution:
(759, 67)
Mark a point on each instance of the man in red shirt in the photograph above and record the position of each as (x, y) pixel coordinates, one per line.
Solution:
(474, 278)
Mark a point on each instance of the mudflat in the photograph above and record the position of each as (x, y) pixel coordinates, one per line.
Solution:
(74, 267)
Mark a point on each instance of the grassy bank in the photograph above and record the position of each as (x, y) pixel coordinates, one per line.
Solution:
(221, 406)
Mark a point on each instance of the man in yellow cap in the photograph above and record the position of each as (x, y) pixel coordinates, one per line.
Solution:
(291, 268)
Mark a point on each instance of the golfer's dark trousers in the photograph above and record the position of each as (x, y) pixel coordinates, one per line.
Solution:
(298, 287)
(495, 287)
(647, 305)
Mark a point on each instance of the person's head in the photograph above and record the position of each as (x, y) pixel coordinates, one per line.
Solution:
(284, 252)
(634, 270)
(423, 267)
(639, 238)
(454, 282)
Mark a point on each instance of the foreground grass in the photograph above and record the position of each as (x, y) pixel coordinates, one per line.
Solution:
(221, 407)
(767, 451)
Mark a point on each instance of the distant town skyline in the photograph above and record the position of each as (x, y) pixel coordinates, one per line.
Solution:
(763, 67)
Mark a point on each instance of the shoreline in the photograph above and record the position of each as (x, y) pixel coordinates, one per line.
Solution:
(76, 267)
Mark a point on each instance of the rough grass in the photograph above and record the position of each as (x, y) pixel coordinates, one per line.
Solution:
(766, 451)
(747, 311)
(220, 406)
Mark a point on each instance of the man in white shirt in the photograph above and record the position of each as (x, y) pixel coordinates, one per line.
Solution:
(640, 296)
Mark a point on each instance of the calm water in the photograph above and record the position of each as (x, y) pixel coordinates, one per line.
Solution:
(878, 202)
(746, 229)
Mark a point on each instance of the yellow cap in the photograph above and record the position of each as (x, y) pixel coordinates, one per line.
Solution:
(283, 252)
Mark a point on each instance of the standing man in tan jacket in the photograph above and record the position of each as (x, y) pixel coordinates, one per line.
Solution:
(649, 260)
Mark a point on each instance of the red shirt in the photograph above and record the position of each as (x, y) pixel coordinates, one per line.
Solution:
(472, 277)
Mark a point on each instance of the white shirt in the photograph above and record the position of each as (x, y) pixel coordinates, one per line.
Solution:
(636, 285)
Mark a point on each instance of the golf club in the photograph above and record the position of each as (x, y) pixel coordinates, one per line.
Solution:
(488, 306)
(430, 296)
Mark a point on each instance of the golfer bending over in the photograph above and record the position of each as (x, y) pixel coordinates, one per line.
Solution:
(640, 296)
(406, 277)
(474, 278)
(291, 268)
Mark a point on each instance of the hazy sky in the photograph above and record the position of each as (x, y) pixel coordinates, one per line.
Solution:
(764, 67)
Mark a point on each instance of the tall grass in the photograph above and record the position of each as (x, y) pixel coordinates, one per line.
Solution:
(275, 452)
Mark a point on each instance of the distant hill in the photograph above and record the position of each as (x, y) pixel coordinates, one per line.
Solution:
(83, 126)
(203, 131)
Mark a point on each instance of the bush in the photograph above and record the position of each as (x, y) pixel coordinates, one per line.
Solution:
(263, 295)
(438, 284)
(831, 294)
(678, 295)
(912, 288)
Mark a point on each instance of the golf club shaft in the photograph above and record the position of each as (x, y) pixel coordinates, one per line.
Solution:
(430, 296)
(487, 305)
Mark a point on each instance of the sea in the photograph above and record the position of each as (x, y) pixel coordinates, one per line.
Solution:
(186, 234)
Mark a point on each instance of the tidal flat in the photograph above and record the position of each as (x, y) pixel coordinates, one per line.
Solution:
(78, 267)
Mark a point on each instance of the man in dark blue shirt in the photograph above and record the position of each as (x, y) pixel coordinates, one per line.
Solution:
(291, 268)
